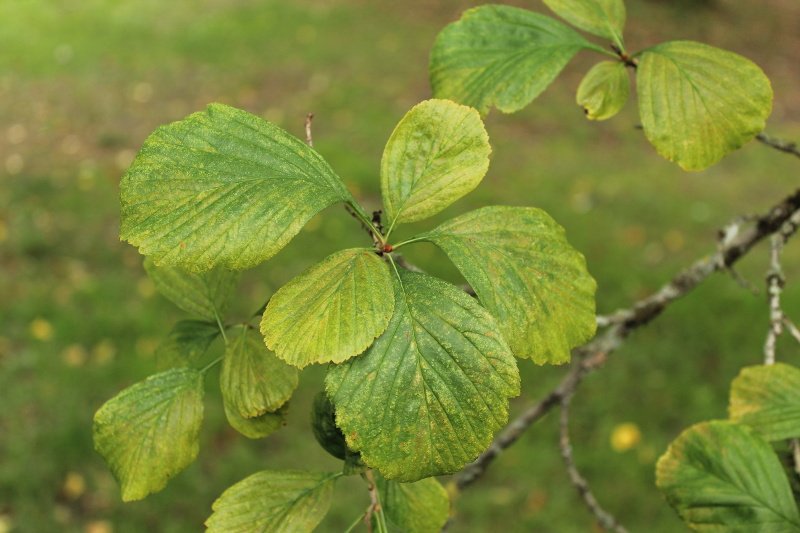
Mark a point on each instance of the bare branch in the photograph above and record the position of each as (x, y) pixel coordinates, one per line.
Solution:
(779, 144)
(309, 138)
(623, 322)
(605, 519)
(775, 281)
(791, 328)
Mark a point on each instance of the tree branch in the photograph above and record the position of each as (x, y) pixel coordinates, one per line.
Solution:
(604, 518)
(779, 144)
(309, 138)
(623, 322)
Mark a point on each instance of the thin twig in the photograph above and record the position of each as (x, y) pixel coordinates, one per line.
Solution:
(375, 509)
(309, 138)
(623, 322)
(605, 519)
(791, 328)
(373, 499)
(779, 144)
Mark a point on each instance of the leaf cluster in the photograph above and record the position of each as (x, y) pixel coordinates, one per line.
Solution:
(697, 103)
(420, 373)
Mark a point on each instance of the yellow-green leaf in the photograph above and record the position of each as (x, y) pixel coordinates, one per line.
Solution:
(258, 427)
(767, 398)
(429, 395)
(222, 187)
(149, 431)
(698, 103)
(332, 311)
(518, 261)
(273, 502)
(605, 18)
(604, 90)
(500, 56)
(420, 507)
(204, 294)
(253, 381)
(720, 477)
(437, 153)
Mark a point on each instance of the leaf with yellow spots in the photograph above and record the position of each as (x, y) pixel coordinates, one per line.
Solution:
(427, 397)
(719, 476)
(222, 187)
(437, 153)
(698, 103)
(518, 261)
(767, 398)
(149, 431)
(332, 311)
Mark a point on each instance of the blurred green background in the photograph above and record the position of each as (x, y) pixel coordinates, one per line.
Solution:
(82, 83)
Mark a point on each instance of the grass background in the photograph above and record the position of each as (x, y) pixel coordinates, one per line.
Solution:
(82, 83)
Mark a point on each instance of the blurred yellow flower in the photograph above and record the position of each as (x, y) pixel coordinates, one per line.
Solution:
(99, 526)
(625, 436)
(41, 329)
(74, 486)
(5, 523)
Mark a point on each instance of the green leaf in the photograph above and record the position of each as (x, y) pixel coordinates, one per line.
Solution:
(767, 398)
(257, 427)
(253, 381)
(438, 153)
(604, 90)
(698, 103)
(222, 187)
(186, 343)
(204, 294)
(149, 431)
(720, 477)
(271, 501)
(332, 311)
(604, 18)
(527, 275)
(428, 396)
(421, 507)
(500, 56)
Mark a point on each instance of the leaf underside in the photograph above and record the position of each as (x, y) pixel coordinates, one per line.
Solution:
(205, 294)
(420, 507)
(604, 18)
(222, 187)
(257, 427)
(500, 56)
(720, 477)
(186, 344)
(273, 502)
(527, 275)
(253, 381)
(429, 395)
